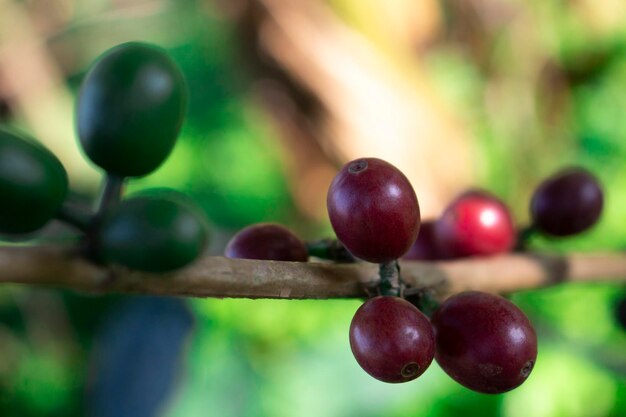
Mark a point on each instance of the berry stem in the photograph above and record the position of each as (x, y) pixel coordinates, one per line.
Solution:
(215, 276)
(390, 282)
(523, 237)
(330, 249)
(422, 298)
(111, 193)
(75, 216)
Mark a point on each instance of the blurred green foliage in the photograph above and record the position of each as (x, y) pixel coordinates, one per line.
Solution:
(279, 358)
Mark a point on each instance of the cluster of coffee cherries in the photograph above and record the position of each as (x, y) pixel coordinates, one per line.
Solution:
(129, 112)
(483, 341)
(477, 223)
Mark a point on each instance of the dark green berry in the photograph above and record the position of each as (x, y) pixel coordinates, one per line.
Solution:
(33, 184)
(131, 108)
(153, 234)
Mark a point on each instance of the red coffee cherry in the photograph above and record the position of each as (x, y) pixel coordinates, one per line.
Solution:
(425, 247)
(484, 342)
(267, 241)
(373, 210)
(391, 339)
(567, 203)
(475, 224)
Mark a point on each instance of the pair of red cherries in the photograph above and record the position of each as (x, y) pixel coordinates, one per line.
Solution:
(482, 341)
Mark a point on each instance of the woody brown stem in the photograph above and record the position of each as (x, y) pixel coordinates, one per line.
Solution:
(222, 277)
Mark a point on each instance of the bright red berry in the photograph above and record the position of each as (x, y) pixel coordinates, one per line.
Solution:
(484, 342)
(373, 210)
(267, 241)
(391, 339)
(475, 224)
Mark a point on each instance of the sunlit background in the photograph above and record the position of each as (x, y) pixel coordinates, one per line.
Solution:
(494, 93)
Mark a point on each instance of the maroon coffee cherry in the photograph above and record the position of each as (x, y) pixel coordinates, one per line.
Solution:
(425, 247)
(567, 203)
(484, 342)
(373, 210)
(391, 339)
(475, 224)
(267, 241)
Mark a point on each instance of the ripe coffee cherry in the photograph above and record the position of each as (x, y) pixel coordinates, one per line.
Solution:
(270, 242)
(33, 184)
(131, 108)
(425, 247)
(475, 224)
(373, 210)
(153, 234)
(567, 203)
(391, 339)
(484, 342)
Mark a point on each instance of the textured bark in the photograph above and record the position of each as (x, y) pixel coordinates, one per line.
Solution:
(222, 277)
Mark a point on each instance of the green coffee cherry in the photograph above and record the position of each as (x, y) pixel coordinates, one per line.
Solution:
(131, 108)
(33, 184)
(153, 234)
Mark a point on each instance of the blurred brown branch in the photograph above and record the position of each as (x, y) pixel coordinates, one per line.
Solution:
(236, 278)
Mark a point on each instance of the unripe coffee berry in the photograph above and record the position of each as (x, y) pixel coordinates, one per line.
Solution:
(152, 233)
(33, 184)
(130, 109)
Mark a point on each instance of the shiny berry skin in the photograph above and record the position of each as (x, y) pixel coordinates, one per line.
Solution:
(391, 339)
(131, 108)
(425, 247)
(373, 210)
(33, 184)
(152, 234)
(475, 224)
(267, 241)
(567, 203)
(484, 342)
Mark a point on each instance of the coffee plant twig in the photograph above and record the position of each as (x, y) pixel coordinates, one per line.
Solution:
(238, 278)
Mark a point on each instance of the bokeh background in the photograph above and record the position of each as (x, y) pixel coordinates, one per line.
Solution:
(494, 93)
